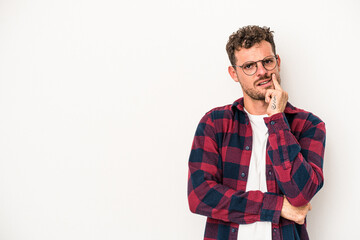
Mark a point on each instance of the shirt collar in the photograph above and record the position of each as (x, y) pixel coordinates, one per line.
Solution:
(239, 105)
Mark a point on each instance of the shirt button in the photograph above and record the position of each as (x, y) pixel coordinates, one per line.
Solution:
(272, 122)
(242, 174)
(233, 230)
(270, 173)
(274, 229)
(247, 147)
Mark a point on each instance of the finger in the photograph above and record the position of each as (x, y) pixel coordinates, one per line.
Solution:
(276, 82)
(268, 95)
(310, 207)
(300, 222)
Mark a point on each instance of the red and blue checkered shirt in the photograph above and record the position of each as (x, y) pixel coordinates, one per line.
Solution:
(219, 163)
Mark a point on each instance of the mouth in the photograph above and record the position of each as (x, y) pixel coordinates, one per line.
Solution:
(265, 83)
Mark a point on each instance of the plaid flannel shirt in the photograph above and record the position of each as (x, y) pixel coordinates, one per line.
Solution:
(219, 164)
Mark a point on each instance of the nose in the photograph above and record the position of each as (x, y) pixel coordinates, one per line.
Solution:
(261, 70)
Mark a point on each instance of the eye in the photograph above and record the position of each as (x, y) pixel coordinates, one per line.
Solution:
(249, 65)
(268, 61)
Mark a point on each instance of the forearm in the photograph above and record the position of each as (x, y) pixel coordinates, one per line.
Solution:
(220, 202)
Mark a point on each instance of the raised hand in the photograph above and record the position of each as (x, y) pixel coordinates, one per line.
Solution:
(276, 98)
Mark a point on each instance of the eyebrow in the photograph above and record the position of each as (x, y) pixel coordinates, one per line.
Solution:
(257, 60)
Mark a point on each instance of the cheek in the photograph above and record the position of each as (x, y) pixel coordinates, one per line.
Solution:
(278, 77)
(246, 81)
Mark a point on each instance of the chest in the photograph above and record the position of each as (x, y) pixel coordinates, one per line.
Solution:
(239, 142)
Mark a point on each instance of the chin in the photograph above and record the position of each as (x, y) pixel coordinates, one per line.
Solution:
(258, 97)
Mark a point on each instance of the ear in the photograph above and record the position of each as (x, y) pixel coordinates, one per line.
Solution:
(233, 74)
(278, 62)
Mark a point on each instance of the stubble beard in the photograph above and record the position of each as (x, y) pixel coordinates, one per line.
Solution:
(253, 93)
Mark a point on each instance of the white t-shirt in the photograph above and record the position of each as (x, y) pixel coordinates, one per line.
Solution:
(257, 178)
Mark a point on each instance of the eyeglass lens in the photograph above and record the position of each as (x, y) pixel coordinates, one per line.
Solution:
(250, 68)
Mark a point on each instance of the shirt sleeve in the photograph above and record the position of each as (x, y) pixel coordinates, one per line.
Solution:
(208, 196)
(297, 161)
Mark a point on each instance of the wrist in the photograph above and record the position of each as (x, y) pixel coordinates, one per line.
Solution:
(273, 113)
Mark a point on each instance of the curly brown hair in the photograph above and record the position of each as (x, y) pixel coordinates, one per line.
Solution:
(246, 37)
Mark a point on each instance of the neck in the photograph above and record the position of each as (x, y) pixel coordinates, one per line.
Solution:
(255, 107)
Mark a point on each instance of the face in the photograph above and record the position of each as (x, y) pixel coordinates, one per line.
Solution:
(255, 86)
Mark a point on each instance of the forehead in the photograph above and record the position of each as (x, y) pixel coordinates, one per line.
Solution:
(257, 52)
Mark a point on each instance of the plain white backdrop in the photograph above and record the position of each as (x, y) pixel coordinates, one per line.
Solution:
(99, 102)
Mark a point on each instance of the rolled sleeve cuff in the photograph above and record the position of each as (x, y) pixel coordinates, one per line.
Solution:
(276, 123)
(271, 208)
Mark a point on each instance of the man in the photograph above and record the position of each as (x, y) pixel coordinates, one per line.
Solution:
(256, 164)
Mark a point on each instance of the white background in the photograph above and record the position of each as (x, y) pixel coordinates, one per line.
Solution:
(99, 102)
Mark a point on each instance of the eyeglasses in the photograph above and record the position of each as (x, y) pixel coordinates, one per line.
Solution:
(250, 68)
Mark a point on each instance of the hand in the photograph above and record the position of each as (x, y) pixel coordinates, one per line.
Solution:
(296, 214)
(276, 98)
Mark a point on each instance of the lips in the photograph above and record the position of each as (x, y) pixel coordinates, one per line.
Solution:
(263, 82)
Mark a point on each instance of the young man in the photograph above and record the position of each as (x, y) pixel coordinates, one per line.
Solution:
(256, 164)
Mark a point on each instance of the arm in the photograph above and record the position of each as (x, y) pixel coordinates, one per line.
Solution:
(297, 162)
(206, 194)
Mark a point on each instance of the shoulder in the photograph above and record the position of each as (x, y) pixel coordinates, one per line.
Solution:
(219, 113)
(300, 118)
